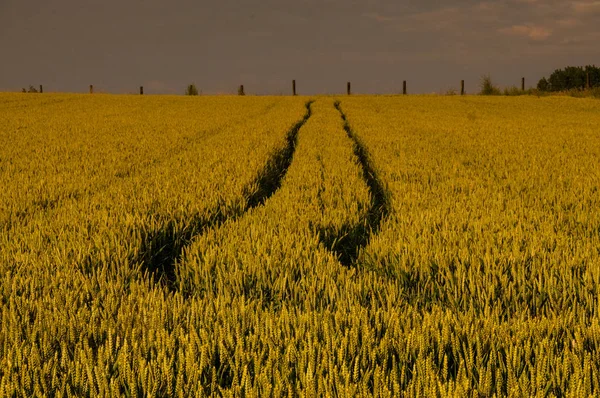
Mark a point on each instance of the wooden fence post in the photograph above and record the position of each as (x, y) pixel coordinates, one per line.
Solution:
(294, 87)
(241, 90)
(522, 84)
(587, 80)
(462, 87)
(404, 87)
(348, 88)
(41, 89)
(141, 90)
(91, 89)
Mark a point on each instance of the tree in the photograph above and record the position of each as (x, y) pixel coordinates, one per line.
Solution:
(543, 85)
(570, 78)
(191, 90)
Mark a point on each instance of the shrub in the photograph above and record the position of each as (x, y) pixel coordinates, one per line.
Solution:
(488, 87)
(191, 90)
(513, 90)
(578, 93)
(31, 90)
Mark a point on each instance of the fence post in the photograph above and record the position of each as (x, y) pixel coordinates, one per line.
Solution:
(522, 84)
(41, 89)
(462, 87)
(241, 90)
(294, 87)
(141, 90)
(587, 80)
(348, 88)
(404, 87)
(91, 89)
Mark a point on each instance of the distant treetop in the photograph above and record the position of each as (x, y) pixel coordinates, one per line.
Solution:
(571, 77)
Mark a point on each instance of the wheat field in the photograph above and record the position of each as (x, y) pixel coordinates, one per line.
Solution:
(387, 246)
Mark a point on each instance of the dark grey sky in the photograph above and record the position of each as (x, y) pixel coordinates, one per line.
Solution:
(118, 45)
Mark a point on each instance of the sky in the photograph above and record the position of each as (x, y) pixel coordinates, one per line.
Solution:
(119, 45)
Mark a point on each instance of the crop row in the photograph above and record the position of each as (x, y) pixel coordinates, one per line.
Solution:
(377, 247)
(494, 220)
(70, 268)
(64, 147)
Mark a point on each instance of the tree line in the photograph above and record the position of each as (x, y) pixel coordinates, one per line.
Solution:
(571, 78)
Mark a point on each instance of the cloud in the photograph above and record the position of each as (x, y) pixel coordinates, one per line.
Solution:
(584, 7)
(448, 19)
(533, 32)
(480, 29)
(444, 16)
(379, 17)
(569, 22)
(487, 6)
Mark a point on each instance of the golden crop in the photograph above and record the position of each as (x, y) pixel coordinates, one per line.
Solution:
(264, 246)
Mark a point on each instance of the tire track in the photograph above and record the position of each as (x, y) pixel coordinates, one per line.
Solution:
(162, 250)
(347, 242)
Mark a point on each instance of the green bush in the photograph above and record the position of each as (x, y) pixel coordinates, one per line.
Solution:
(513, 90)
(191, 90)
(31, 90)
(488, 87)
